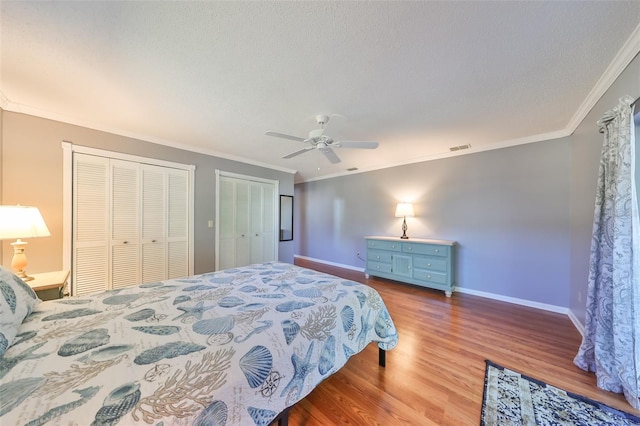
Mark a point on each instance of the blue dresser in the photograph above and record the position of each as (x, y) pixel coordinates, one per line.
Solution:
(429, 263)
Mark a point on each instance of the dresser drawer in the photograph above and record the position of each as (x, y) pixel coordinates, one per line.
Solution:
(379, 256)
(430, 249)
(434, 277)
(431, 263)
(378, 267)
(384, 245)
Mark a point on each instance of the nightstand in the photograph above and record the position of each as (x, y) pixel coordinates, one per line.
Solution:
(44, 283)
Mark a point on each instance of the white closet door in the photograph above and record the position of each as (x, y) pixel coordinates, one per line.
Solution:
(262, 227)
(234, 223)
(268, 225)
(125, 224)
(243, 241)
(154, 218)
(226, 224)
(247, 229)
(177, 223)
(91, 224)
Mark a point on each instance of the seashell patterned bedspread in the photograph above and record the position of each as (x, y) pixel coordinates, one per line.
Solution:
(234, 347)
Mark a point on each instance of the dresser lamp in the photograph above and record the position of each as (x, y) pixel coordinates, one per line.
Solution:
(403, 210)
(21, 222)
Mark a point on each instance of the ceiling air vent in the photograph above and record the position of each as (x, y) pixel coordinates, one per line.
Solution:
(352, 169)
(460, 147)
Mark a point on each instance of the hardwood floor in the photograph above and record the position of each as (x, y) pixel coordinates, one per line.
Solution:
(435, 376)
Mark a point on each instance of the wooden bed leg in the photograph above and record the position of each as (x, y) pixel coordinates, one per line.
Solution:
(382, 357)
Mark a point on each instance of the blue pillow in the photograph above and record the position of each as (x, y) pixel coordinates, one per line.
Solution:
(17, 300)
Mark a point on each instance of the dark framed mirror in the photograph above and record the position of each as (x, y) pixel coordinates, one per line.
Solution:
(286, 217)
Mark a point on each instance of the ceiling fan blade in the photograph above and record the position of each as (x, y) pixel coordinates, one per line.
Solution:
(302, 151)
(331, 155)
(358, 144)
(284, 136)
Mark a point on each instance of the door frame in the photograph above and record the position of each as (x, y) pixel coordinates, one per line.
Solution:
(276, 213)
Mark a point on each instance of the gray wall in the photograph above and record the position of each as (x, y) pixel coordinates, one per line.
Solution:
(32, 175)
(586, 147)
(508, 210)
(522, 216)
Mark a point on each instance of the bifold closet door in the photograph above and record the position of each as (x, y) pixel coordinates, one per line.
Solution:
(262, 232)
(234, 223)
(247, 229)
(125, 224)
(177, 225)
(154, 218)
(91, 203)
(130, 223)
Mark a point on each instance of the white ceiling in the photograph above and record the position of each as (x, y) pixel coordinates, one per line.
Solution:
(418, 77)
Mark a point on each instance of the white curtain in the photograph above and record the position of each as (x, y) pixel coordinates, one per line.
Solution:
(611, 343)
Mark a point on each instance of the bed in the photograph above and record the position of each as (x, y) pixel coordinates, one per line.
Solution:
(233, 347)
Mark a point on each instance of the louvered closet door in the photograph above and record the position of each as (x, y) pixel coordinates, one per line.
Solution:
(177, 223)
(91, 224)
(227, 224)
(243, 242)
(262, 223)
(125, 224)
(233, 223)
(154, 218)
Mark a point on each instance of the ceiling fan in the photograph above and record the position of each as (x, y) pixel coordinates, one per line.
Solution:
(323, 143)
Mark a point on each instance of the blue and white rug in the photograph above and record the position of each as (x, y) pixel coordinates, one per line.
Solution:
(511, 398)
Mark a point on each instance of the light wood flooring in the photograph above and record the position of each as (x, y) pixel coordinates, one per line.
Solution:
(435, 375)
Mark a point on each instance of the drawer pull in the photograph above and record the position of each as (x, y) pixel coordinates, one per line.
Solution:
(437, 250)
(377, 267)
(377, 257)
(428, 264)
(428, 276)
(393, 246)
(409, 248)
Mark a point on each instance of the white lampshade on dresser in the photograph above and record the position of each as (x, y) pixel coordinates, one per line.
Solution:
(21, 222)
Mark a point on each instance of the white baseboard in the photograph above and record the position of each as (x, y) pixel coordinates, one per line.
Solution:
(514, 300)
(326, 262)
(576, 322)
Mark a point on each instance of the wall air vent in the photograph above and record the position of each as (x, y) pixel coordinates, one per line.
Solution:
(460, 147)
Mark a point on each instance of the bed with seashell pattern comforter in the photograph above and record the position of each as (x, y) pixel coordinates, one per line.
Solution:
(234, 347)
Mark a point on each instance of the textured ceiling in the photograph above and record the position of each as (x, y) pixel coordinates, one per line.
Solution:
(418, 77)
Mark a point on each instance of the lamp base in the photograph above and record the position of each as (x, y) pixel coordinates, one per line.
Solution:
(23, 276)
(404, 229)
(19, 260)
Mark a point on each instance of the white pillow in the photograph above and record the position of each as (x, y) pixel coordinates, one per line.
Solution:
(17, 300)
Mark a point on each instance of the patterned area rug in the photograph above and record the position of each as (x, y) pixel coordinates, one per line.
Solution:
(511, 398)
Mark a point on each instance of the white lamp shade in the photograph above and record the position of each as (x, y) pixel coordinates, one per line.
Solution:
(21, 222)
(404, 209)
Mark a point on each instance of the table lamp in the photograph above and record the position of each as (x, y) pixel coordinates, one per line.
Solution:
(21, 222)
(404, 210)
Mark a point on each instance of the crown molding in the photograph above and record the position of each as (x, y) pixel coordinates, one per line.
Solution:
(7, 105)
(498, 145)
(620, 62)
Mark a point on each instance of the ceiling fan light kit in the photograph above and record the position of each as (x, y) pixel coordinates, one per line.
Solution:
(324, 143)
